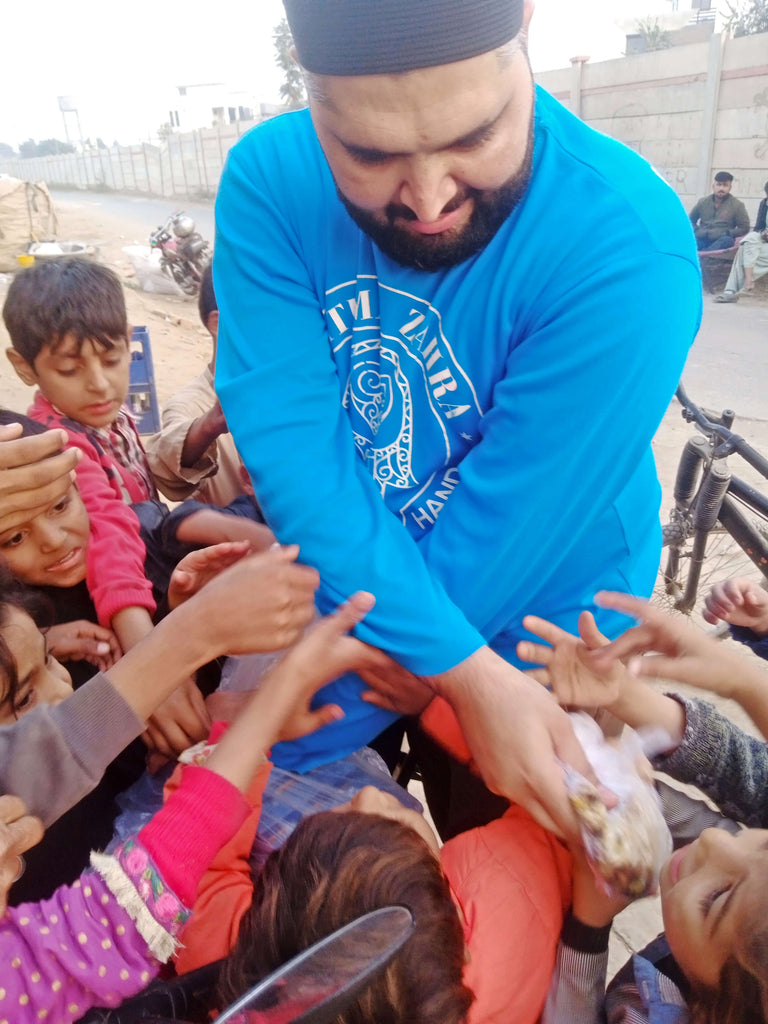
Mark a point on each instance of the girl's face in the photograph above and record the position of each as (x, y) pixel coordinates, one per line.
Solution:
(371, 800)
(49, 549)
(42, 680)
(711, 892)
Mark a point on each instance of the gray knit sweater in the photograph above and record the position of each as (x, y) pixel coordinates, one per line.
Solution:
(54, 755)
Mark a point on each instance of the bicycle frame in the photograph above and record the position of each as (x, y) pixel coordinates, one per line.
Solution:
(706, 493)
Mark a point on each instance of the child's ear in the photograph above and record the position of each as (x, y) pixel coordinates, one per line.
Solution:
(22, 367)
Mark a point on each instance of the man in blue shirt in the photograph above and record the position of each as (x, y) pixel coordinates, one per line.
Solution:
(436, 402)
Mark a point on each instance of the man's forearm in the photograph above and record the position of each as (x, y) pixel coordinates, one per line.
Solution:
(517, 734)
(201, 434)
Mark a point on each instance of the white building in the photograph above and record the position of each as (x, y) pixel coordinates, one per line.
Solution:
(206, 105)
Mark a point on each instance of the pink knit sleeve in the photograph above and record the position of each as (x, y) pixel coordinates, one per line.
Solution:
(202, 815)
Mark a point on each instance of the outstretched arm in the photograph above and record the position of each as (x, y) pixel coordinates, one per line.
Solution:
(686, 655)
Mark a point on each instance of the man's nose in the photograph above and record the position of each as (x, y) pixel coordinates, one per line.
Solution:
(427, 187)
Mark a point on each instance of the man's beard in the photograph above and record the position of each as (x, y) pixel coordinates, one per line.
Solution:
(490, 209)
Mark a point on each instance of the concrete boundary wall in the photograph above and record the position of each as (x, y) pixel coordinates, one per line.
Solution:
(186, 165)
(689, 110)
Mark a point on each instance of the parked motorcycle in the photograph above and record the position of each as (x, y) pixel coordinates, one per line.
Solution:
(183, 251)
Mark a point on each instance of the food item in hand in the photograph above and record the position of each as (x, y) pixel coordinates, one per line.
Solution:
(621, 843)
(626, 844)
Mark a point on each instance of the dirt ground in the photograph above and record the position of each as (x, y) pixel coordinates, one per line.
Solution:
(181, 348)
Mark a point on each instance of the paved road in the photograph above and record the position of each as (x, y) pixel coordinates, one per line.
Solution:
(727, 366)
(143, 212)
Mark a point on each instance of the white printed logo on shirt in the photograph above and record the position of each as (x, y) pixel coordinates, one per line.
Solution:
(413, 410)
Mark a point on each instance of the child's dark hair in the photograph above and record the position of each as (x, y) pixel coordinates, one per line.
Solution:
(206, 302)
(15, 595)
(55, 298)
(741, 994)
(333, 868)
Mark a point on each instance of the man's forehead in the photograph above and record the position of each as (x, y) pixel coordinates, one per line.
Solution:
(368, 37)
(427, 108)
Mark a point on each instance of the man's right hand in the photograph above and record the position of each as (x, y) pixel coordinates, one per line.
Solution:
(34, 473)
(518, 735)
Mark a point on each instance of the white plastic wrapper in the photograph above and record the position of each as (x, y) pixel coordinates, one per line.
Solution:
(150, 275)
(627, 844)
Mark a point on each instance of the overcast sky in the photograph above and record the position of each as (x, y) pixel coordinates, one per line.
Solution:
(121, 61)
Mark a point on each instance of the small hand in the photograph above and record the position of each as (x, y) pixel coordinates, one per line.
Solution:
(19, 832)
(684, 653)
(34, 472)
(592, 904)
(739, 601)
(181, 721)
(568, 669)
(394, 688)
(84, 641)
(200, 567)
(261, 603)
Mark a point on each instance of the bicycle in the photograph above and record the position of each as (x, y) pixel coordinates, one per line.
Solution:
(710, 503)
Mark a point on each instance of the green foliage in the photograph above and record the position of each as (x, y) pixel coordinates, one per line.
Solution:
(653, 35)
(6, 150)
(47, 147)
(747, 17)
(292, 91)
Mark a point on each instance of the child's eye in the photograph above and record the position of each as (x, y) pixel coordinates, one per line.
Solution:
(25, 701)
(70, 372)
(14, 541)
(707, 902)
(63, 505)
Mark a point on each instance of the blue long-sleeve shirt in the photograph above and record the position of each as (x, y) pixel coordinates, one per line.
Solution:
(473, 444)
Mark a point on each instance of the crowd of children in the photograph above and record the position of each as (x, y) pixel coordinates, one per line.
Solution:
(110, 604)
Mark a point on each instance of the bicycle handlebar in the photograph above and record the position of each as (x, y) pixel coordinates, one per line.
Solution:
(733, 442)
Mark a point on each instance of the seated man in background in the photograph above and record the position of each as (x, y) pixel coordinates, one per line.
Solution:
(193, 453)
(718, 220)
(751, 261)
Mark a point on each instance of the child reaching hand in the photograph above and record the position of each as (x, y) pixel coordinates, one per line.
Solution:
(102, 938)
(710, 966)
(704, 748)
(743, 604)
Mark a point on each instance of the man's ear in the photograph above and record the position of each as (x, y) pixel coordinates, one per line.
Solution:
(23, 370)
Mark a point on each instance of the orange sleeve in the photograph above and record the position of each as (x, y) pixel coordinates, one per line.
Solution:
(440, 722)
(225, 893)
(512, 881)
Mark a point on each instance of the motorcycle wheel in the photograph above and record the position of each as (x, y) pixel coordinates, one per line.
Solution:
(185, 281)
